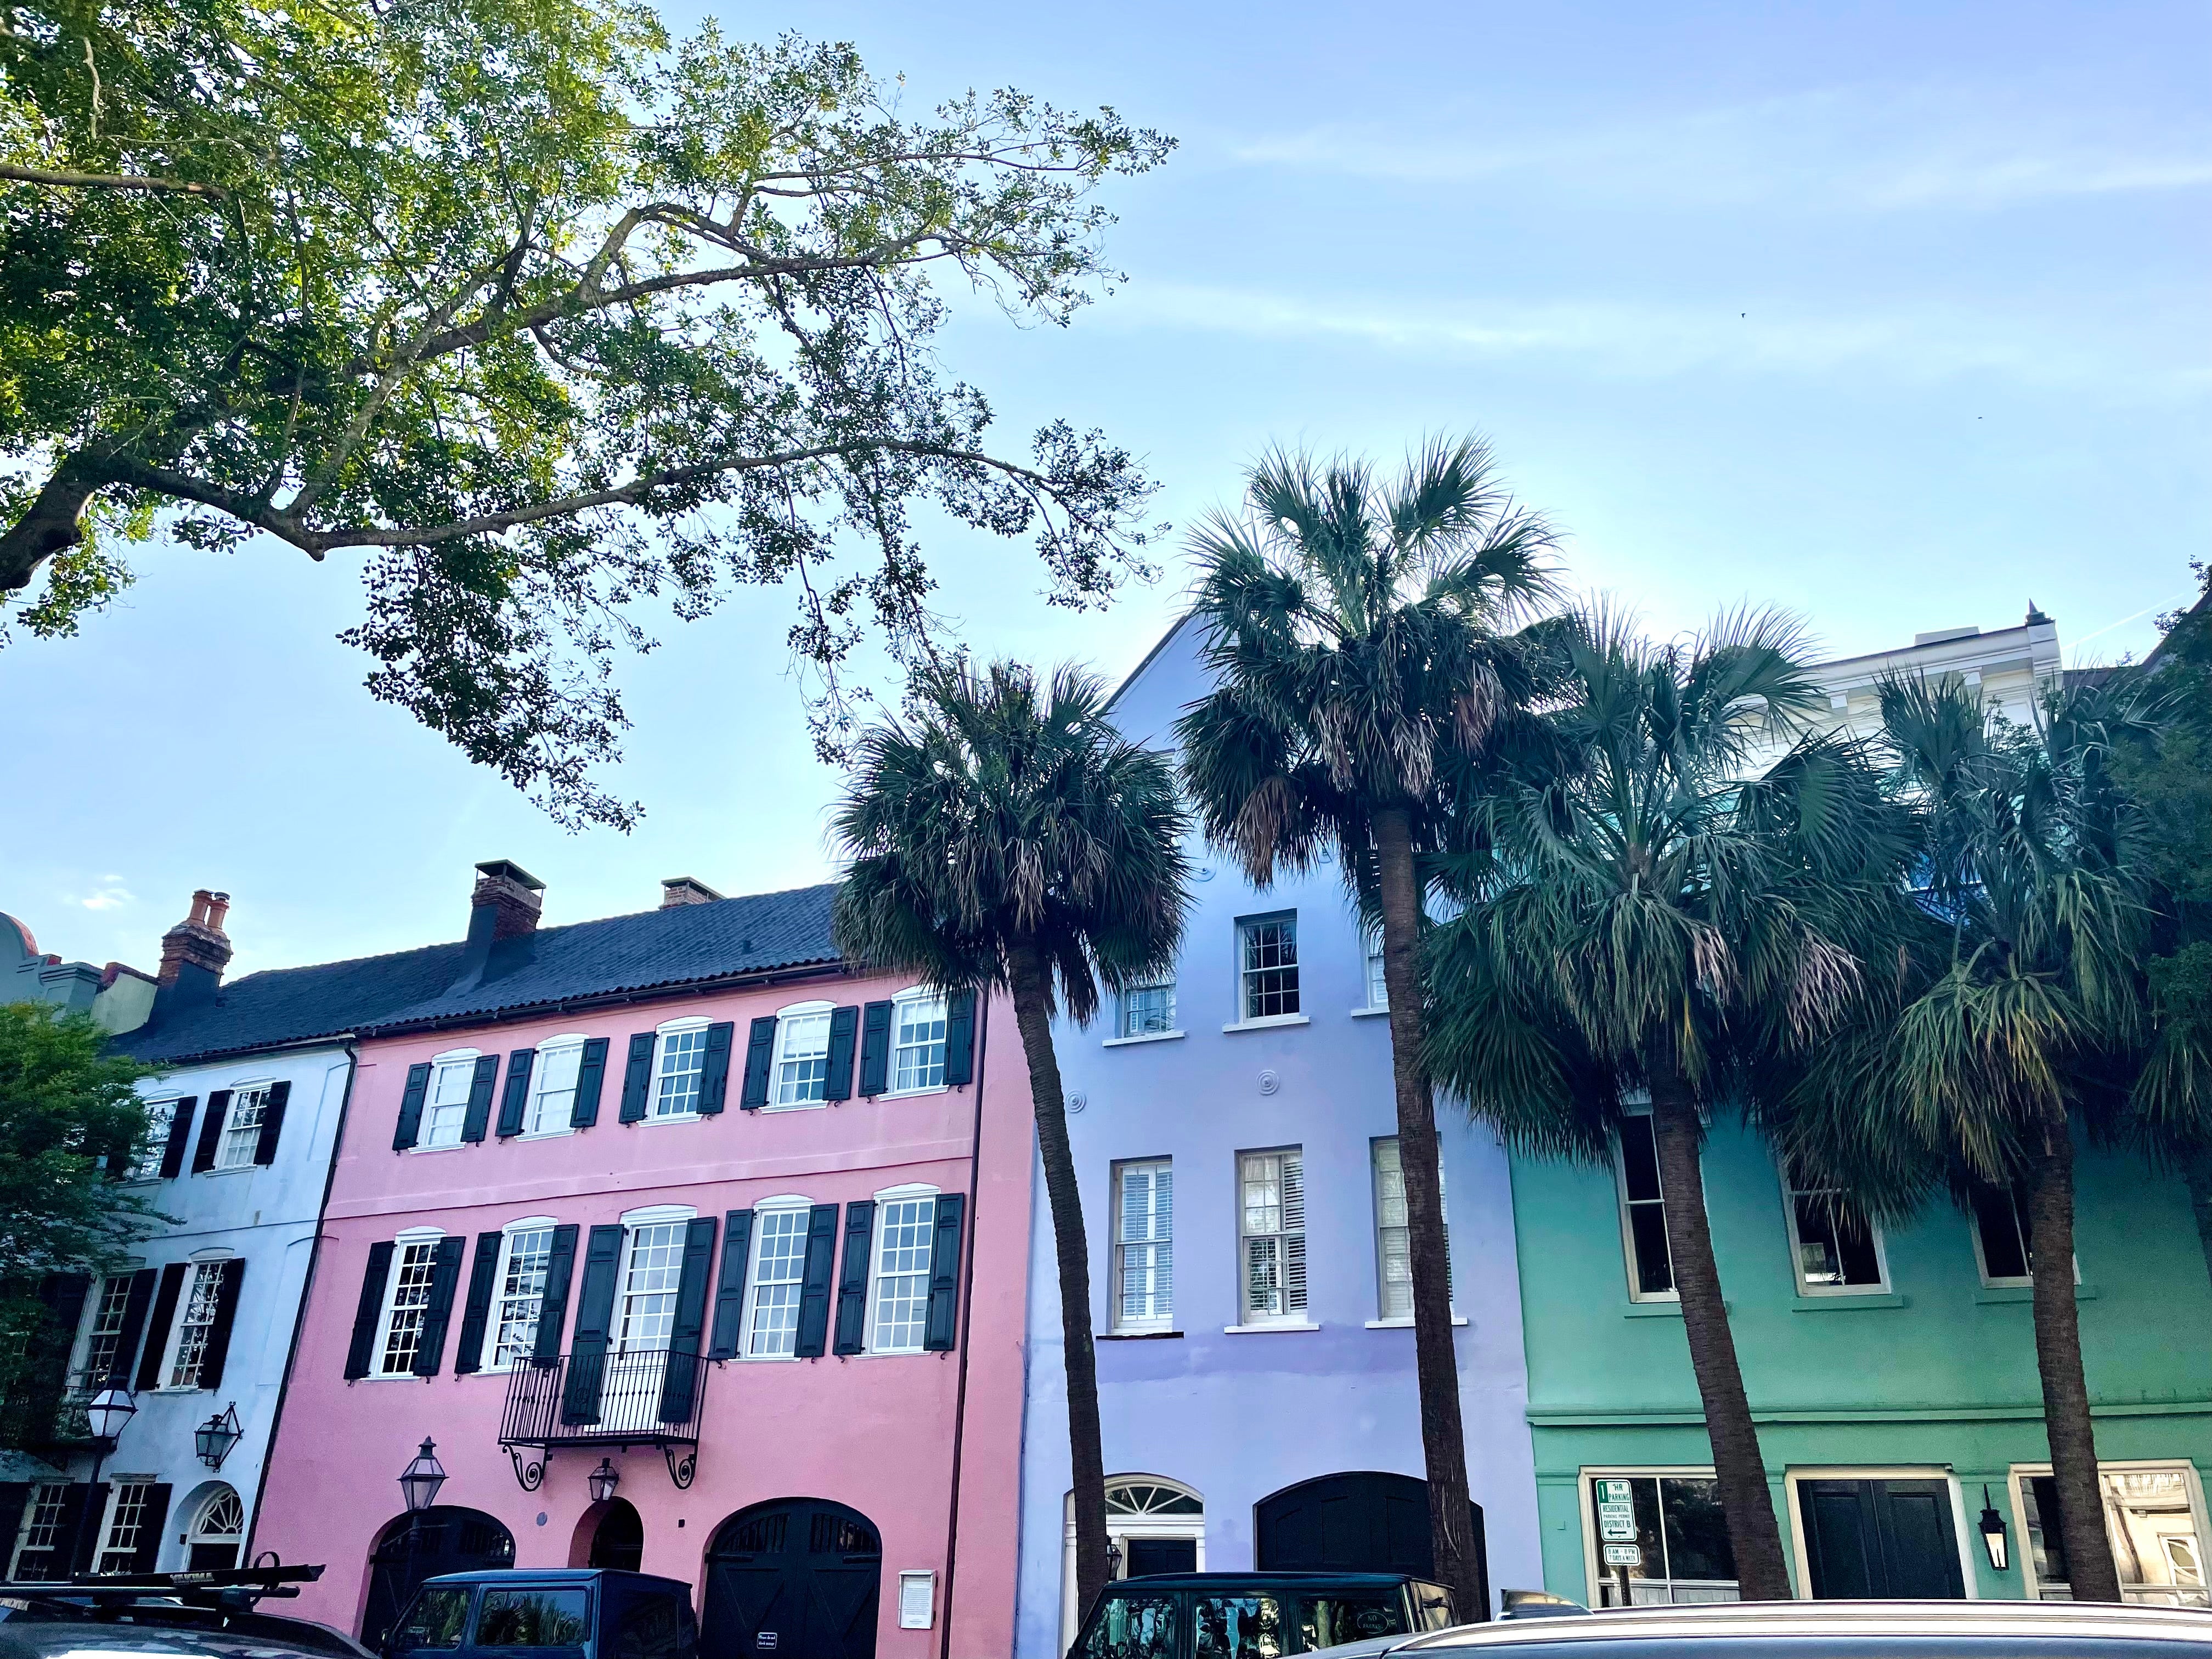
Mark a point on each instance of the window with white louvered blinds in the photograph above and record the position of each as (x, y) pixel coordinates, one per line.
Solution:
(1394, 1257)
(1273, 1235)
(1144, 1246)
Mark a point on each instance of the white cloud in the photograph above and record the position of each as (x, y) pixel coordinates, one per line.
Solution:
(110, 894)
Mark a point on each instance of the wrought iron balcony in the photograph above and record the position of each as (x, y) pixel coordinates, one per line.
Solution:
(641, 1397)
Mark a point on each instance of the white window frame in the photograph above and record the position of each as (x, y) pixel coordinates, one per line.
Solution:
(635, 1224)
(661, 1056)
(786, 1018)
(1384, 1320)
(235, 1138)
(32, 1501)
(496, 1322)
(400, 1246)
(912, 1192)
(2192, 1484)
(1123, 1011)
(1370, 962)
(196, 1532)
(1790, 1194)
(161, 1121)
(80, 1365)
(1636, 1291)
(462, 1060)
(1164, 1320)
(104, 1538)
(1981, 1256)
(178, 1329)
(782, 1204)
(533, 1106)
(900, 1003)
(1594, 1576)
(1290, 1319)
(1245, 926)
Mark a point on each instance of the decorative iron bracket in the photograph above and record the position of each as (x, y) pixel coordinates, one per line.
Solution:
(529, 1471)
(682, 1468)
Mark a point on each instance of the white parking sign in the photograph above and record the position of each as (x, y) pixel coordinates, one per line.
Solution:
(1616, 1512)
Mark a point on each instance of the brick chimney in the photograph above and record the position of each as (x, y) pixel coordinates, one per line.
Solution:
(685, 889)
(194, 951)
(504, 905)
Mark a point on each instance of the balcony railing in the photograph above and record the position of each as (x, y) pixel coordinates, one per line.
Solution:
(641, 1397)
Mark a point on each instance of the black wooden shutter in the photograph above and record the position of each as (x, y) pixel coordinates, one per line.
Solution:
(844, 1025)
(157, 1325)
(875, 1049)
(516, 1100)
(481, 1083)
(595, 1310)
(852, 1277)
(370, 1308)
(679, 1383)
(226, 1316)
(438, 1314)
(218, 1108)
(82, 1539)
(944, 1274)
(637, 1080)
(272, 1122)
(760, 1049)
(409, 1129)
(814, 1291)
(591, 1073)
(134, 1326)
(180, 1136)
(960, 1038)
(483, 1272)
(553, 1311)
(730, 1285)
(714, 1080)
(153, 1521)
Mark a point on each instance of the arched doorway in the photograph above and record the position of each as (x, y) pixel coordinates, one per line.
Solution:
(618, 1542)
(1154, 1524)
(798, 1576)
(413, 1547)
(1362, 1521)
(215, 1529)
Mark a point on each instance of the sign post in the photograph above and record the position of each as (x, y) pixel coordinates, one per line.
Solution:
(1616, 1531)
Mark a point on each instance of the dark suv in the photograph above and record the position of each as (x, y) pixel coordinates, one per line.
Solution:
(1254, 1615)
(563, 1613)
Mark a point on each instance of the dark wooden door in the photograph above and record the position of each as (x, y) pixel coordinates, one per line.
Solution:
(800, 1576)
(1881, 1539)
(1364, 1522)
(415, 1547)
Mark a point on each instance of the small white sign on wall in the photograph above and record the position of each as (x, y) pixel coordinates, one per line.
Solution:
(917, 1599)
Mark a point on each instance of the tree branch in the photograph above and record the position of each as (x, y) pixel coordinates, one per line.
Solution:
(108, 181)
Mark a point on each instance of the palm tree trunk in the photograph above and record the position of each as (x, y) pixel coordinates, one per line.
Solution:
(2090, 1571)
(1754, 1535)
(1032, 992)
(1436, 1360)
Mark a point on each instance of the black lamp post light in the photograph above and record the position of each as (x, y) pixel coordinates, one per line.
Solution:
(214, 1438)
(602, 1480)
(420, 1480)
(1993, 1534)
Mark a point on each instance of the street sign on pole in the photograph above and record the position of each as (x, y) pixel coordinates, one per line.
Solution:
(1624, 1555)
(1616, 1512)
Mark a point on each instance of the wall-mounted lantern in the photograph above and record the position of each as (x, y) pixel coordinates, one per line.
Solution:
(214, 1438)
(1993, 1534)
(602, 1480)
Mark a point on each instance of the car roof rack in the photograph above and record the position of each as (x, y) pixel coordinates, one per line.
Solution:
(232, 1588)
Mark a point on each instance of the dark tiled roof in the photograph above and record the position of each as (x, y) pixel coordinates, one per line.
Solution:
(684, 944)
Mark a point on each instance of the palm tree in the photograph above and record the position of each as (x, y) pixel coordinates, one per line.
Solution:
(1353, 629)
(1005, 837)
(2036, 1020)
(1636, 915)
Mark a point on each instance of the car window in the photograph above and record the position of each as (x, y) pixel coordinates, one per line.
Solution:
(1432, 1606)
(531, 1618)
(1325, 1620)
(655, 1625)
(1133, 1627)
(1236, 1626)
(435, 1621)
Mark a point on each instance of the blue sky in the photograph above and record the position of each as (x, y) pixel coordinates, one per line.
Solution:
(1895, 315)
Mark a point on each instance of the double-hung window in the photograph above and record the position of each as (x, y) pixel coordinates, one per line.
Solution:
(242, 1126)
(526, 1255)
(800, 1075)
(681, 1068)
(898, 1303)
(445, 1108)
(553, 1086)
(40, 1549)
(645, 1312)
(1272, 1228)
(917, 1043)
(1378, 987)
(406, 1300)
(161, 1116)
(1643, 1212)
(1144, 1246)
(2001, 1236)
(196, 1315)
(130, 1503)
(103, 1332)
(1836, 1250)
(1147, 1011)
(778, 1278)
(1268, 966)
(1393, 1252)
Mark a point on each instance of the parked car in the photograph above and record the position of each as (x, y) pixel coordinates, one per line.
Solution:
(1255, 1615)
(1824, 1630)
(193, 1615)
(594, 1612)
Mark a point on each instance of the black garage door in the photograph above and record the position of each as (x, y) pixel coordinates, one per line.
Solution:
(1364, 1522)
(798, 1578)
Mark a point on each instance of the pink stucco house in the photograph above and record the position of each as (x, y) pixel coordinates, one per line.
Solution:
(683, 1198)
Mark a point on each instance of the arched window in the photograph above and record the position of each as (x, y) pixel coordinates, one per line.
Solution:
(217, 1529)
(1154, 1524)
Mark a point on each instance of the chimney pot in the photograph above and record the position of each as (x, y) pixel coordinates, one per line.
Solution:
(196, 950)
(685, 889)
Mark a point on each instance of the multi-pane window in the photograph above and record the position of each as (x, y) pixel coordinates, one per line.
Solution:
(160, 1115)
(553, 1088)
(103, 1334)
(2151, 1520)
(39, 1544)
(802, 1058)
(1267, 965)
(646, 1317)
(1378, 987)
(1394, 1255)
(527, 1254)
(216, 1532)
(1272, 1234)
(1644, 1213)
(917, 1045)
(1144, 1246)
(683, 1065)
(779, 1272)
(413, 1264)
(241, 1127)
(1676, 1520)
(905, 1228)
(2001, 1230)
(1147, 1011)
(1835, 1245)
(125, 1533)
(196, 1317)
(445, 1108)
